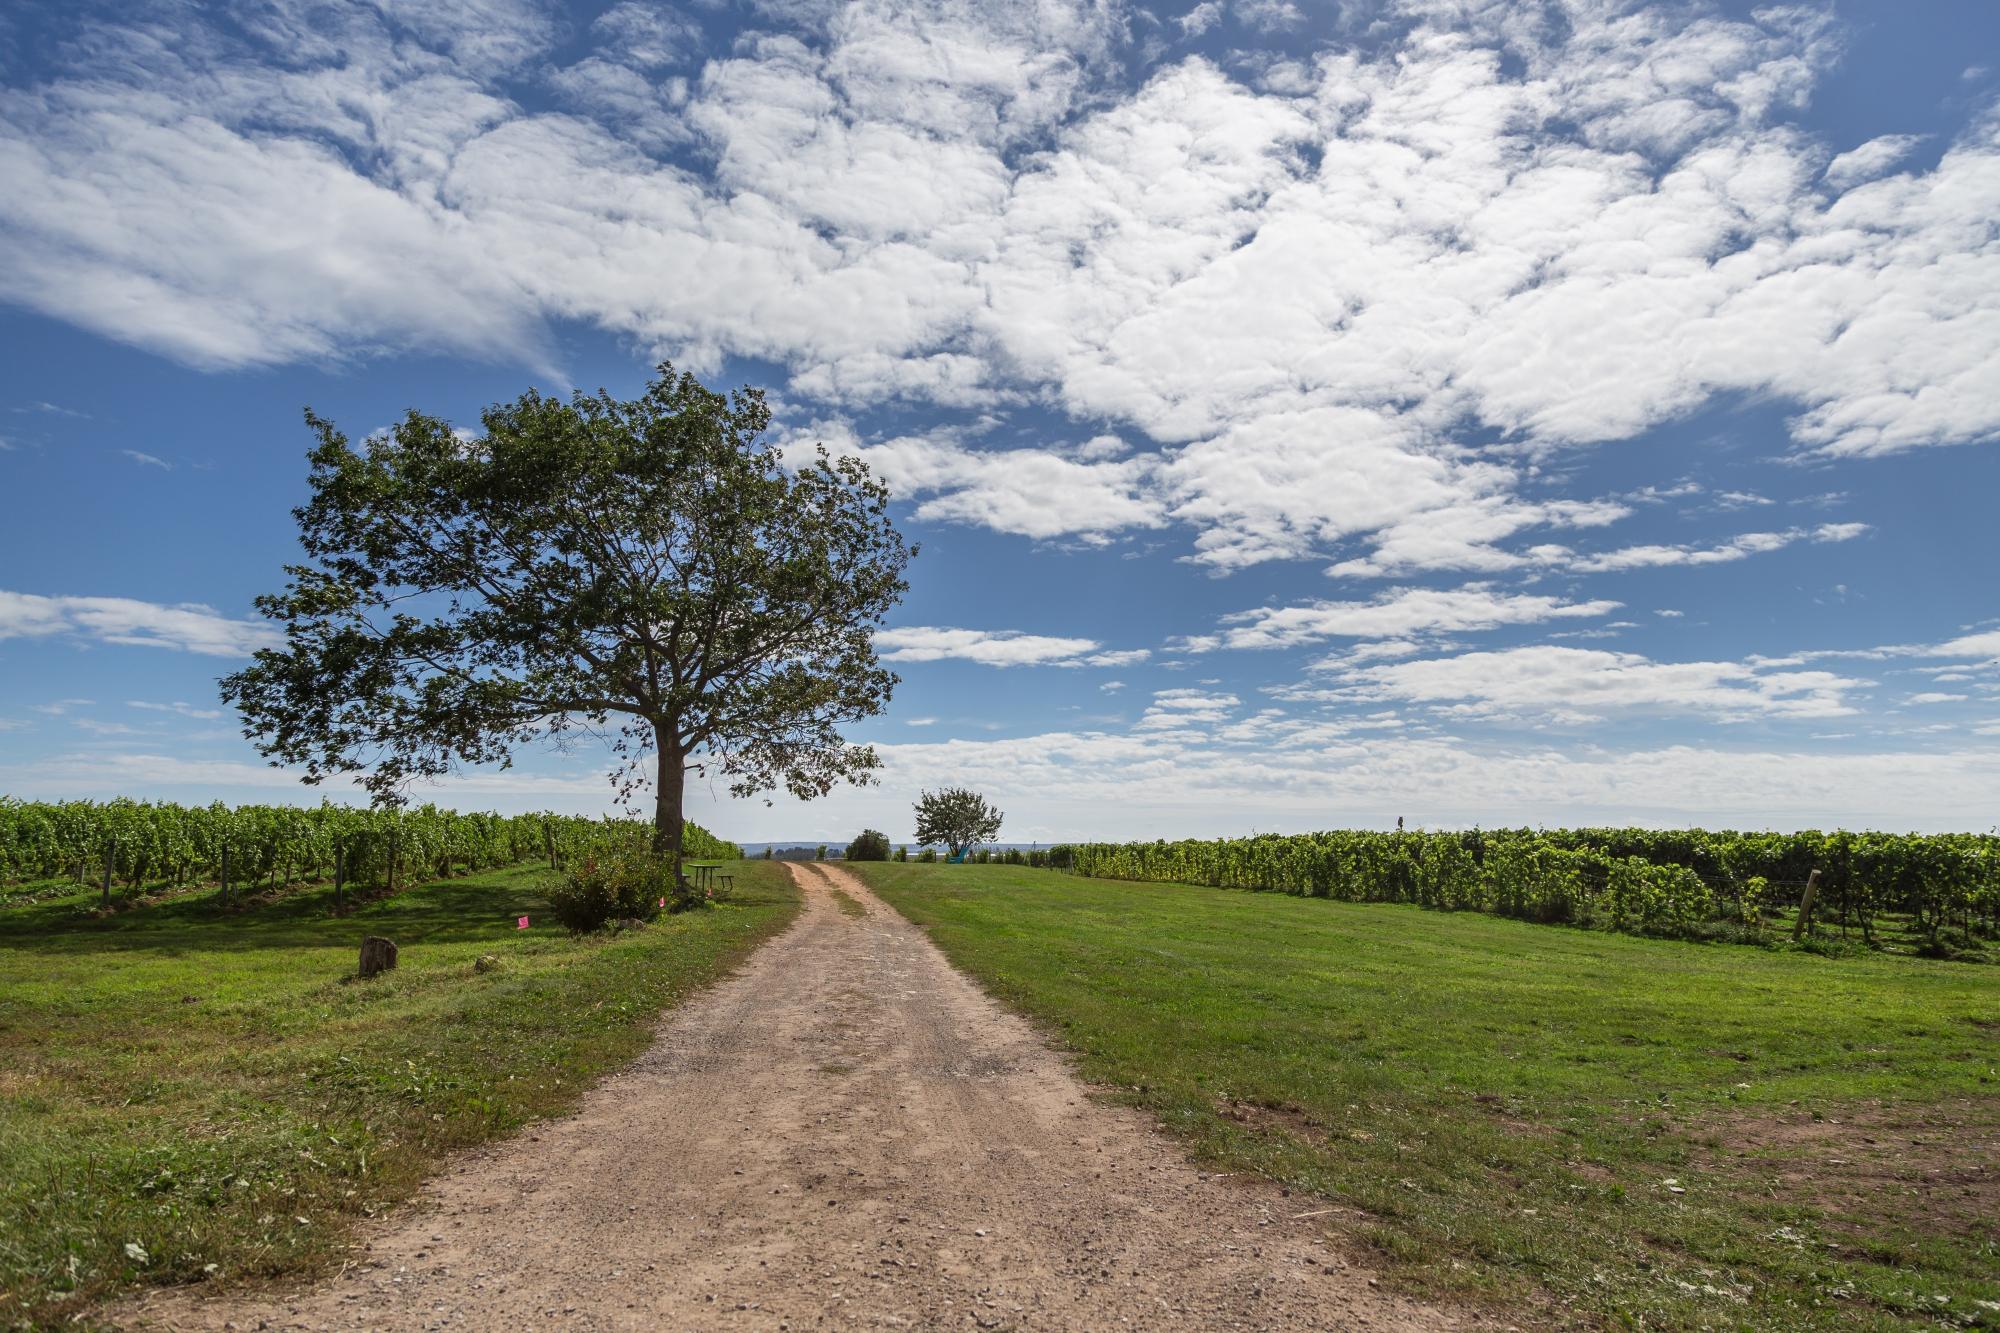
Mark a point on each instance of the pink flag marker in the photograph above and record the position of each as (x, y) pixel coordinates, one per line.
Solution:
(663, 902)
(521, 923)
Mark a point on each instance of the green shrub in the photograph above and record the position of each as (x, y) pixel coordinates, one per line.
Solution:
(928, 856)
(869, 846)
(611, 887)
(903, 853)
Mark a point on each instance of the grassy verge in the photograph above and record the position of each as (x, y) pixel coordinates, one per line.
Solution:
(187, 1093)
(1627, 1131)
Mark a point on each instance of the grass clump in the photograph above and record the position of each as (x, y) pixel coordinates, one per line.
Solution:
(1599, 1128)
(190, 1094)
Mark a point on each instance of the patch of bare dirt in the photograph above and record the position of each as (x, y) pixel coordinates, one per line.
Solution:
(847, 1133)
(1875, 1169)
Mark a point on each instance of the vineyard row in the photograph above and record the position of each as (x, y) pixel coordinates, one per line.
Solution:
(1643, 879)
(138, 842)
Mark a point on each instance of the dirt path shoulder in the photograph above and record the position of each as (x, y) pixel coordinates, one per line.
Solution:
(847, 1133)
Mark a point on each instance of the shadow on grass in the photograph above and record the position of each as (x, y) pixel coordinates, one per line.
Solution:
(479, 906)
(442, 911)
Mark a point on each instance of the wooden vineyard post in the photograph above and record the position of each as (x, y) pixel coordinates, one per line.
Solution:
(1806, 905)
(395, 855)
(224, 892)
(339, 874)
(110, 853)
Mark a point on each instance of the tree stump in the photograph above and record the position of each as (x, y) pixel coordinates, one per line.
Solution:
(377, 955)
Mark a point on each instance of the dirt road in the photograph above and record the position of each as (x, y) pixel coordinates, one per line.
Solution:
(847, 1133)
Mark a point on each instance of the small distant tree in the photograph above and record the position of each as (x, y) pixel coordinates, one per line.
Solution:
(869, 846)
(820, 855)
(903, 852)
(956, 818)
(767, 852)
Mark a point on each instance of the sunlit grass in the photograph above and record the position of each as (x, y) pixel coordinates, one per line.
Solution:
(1571, 1122)
(190, 1093)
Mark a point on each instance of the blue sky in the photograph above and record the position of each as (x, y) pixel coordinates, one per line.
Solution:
(1311, 414)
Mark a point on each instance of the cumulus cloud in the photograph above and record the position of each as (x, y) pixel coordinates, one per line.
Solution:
(1393, 616)
(189, 626)
(649, 35)
(1870, 159)
(1186, 709)
(1201, 18)
(1095, 784)
(1985, 643)
(1736, 548)
(1466, 536)
(1304, 292)
(1578, 685)
(1033, 492)
(929, 643)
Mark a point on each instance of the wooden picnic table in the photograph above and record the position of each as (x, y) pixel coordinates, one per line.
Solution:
(704, 877)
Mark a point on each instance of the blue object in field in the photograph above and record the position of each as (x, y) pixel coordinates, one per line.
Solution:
(958, 860)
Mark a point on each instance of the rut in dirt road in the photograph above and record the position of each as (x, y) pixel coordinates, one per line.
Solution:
(845, 1133)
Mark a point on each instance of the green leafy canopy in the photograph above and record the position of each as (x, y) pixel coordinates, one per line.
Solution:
(956, 818)
(648, 571)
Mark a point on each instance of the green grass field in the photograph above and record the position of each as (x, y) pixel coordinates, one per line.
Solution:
(188, 1093)
(1565, 1123)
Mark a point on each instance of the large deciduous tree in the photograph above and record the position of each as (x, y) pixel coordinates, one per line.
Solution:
(649, 571)
(957, 818)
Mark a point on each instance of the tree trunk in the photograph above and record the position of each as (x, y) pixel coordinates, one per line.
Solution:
(667, 831)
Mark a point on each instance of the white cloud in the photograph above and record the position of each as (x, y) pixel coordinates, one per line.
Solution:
(1870, 159)
(147, 460)
(1986, 643)
(1269, 15)
(1070, 785)
(1736, 548)
(1201, 18)
(189, 626)
(1003, 648)
(1466, 535)
(178, 708)
(1184, 709)
(97, 728)
(1119, 657)
(1393, 615)
(1576, 685)
(1935, 697)
(648, 35)
(1306, 292)
(1036, 493)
